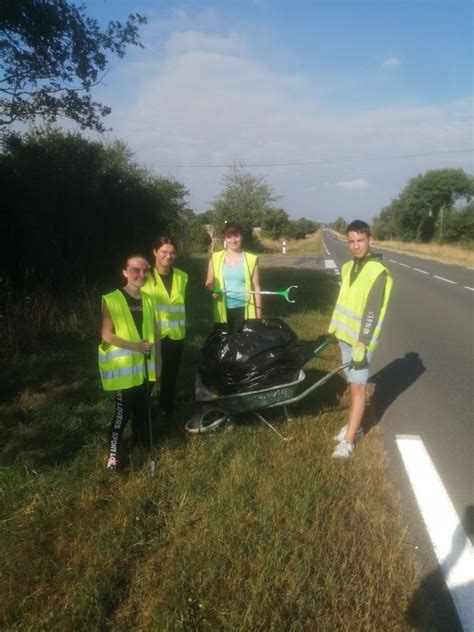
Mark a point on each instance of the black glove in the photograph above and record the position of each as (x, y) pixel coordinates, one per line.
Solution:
(359, 357)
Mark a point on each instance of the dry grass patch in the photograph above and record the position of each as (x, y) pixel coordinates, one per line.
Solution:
(460, 254)
(311, 245)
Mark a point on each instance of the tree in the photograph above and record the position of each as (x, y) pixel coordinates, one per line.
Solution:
(339, 225)
(244, 199)
(51, 56)
(73, 208)
(413, 215)
(274, 222)
(299, 228)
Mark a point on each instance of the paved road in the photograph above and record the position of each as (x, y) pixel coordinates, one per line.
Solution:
(424, 371)
(427, 354)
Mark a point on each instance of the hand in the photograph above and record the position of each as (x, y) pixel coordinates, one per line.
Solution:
(144, 346)
(359, 357)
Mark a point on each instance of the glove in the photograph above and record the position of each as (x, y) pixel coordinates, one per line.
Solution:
(359, 357)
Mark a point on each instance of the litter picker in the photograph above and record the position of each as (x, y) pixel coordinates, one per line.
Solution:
(284, 293)
(150, 429)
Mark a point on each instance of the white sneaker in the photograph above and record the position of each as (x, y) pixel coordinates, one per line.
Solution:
(341, 435)
(343, 450)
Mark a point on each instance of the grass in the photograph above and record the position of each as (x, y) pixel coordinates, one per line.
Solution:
(311, 245)
(237, 531)
(458, 253)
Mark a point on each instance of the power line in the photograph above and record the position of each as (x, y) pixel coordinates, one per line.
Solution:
(298, 163)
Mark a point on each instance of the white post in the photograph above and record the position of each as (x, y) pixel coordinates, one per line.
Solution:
(283, 249)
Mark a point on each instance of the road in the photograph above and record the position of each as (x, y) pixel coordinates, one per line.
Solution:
(427, 355)
(423, 372)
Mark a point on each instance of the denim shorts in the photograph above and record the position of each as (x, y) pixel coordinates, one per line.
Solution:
(354, 376)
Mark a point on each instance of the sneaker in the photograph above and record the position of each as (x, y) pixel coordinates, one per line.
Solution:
(111, 466)
(343, 450)
(341, 435)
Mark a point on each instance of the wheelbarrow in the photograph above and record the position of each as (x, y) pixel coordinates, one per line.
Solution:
(214, 411)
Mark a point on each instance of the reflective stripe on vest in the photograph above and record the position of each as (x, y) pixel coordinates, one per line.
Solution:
(346, 321)
(219, 306)
(124, 368)
(170, 311)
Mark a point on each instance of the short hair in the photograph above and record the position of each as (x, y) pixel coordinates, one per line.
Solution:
(232, 228)
(359, 226)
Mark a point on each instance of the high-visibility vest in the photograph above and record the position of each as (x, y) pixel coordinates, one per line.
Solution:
(123, 368)
(169, 308)
(346, 320)
(220, 310)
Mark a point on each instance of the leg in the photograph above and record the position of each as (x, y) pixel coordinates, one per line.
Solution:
(171, 351)
(123, 411)
(140, 429)
(356, 412)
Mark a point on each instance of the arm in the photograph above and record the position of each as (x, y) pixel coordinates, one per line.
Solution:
(210, 280)
(372, 309)
(257, 288)
(109, 336)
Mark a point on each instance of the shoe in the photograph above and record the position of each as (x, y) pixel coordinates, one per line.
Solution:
(343, 450)
(341, 435)
(111, 467)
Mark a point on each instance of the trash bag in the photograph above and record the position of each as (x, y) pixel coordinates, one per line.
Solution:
(262, 353)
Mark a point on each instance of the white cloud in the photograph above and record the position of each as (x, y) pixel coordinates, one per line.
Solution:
(391, 62)
(358, 183)
(208, 101)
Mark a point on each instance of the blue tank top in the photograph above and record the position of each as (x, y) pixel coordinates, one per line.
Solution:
(234, 281)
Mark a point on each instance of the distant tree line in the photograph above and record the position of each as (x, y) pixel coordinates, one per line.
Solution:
(250, 201)
(433, 206)
(73, 208)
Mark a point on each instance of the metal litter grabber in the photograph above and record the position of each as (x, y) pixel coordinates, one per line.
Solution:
(150, 429)
(284, 293)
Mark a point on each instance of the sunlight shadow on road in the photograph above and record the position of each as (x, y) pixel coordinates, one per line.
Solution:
(392, 380)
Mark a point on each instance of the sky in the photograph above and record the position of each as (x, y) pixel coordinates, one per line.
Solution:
(337, 104)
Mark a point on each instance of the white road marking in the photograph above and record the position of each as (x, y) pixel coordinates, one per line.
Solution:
(422, 271)
(469, 288)
(392, 260)
(329, 264)
(443, 279)
(452, 547)
(404, 265)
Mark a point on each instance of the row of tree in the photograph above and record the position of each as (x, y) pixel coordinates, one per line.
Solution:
(250, 201)
(433, 206)
(73, 208)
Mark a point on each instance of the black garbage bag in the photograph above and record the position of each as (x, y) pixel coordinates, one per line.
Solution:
(262, 353)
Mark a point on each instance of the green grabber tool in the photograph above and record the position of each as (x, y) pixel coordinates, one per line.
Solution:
(284, 293)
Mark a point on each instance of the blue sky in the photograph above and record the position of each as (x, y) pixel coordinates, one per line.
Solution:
(338, 86)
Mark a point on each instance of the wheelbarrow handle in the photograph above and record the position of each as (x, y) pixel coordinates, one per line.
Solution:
(323, 342)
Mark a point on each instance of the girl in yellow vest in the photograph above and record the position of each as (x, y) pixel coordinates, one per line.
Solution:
(235, 272)
(167, 287)
(129, 332)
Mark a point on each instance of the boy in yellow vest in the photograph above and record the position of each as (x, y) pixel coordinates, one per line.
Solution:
(357, 322)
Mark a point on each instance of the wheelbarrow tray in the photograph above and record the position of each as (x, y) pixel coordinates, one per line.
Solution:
(251, 400)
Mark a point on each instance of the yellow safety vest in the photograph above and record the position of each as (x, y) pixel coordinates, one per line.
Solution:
(123, 368)
(347, 317)
(220, 310)
(169, 308)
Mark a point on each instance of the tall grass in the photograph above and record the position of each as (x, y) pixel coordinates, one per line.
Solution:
(461, 254)
(238, 531)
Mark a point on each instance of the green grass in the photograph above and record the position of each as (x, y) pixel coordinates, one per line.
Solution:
(237, 531)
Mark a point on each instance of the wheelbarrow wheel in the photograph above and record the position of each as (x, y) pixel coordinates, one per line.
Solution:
(207, 420)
